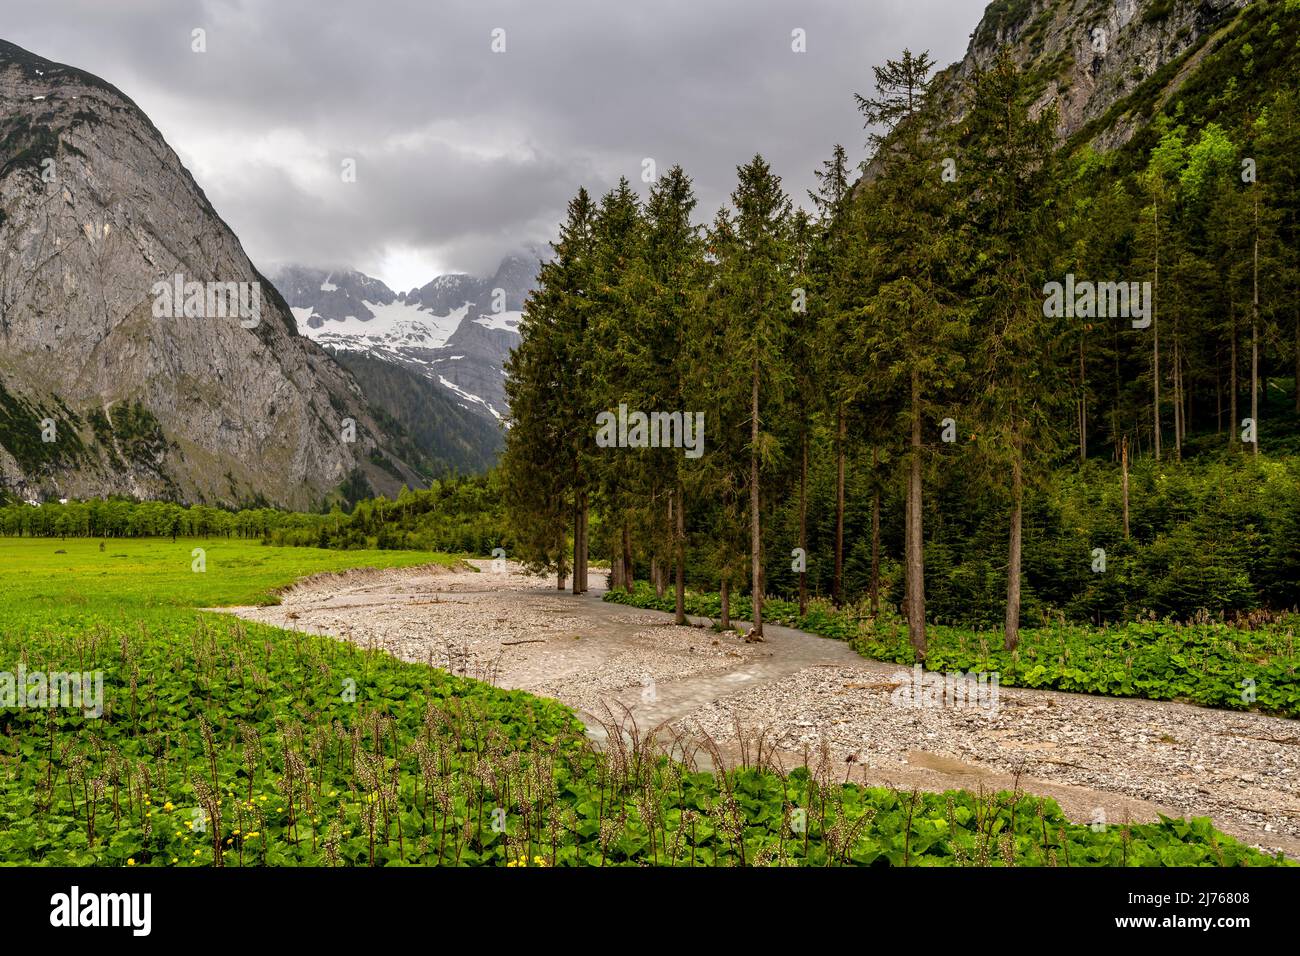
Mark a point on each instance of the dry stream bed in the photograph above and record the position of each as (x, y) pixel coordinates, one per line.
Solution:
(1101, 758)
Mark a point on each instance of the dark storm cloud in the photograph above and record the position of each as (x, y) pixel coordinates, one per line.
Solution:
(463, 154)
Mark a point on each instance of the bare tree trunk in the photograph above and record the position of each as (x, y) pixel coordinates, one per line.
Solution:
(586, 544)
(1178, 398)
(1234, 422)
(616, 569)
(1254, 336)
(875, 535)
(1115, 405)
(1297, 360)
(656, 542)
(1013, 551)
(1083, 406)
(1124, 479)
(726, 604)
(837, 586)
(629, 570)
(577, 542)
(1218, 390)
(1155, 342)
(679, 542)
(656, 545)
(559, 565)
(755, 529)
(915, 542)
(803, 525)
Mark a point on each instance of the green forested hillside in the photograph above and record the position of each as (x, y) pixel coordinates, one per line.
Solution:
(436, 431)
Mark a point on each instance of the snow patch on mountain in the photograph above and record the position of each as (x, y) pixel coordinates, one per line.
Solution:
(446, 331)
(473, 398)
(502, 321)
(396, 325)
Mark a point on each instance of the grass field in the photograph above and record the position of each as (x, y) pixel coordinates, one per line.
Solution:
(132, 576)
(218, 742)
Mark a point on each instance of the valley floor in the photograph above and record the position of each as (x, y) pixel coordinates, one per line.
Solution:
(1104, 760)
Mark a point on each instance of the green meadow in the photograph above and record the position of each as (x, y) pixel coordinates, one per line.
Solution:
(128, 578)
(224, 743)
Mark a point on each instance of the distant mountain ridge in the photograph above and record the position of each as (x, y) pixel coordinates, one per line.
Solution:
(455, 331)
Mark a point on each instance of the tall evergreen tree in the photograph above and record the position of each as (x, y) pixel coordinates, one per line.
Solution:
(667, 274)
(617, 234)
(1007, 155)
(763, 287)
(719, 476)
(1278, 172)
(907, 329)
(832, 263)
(541, 465)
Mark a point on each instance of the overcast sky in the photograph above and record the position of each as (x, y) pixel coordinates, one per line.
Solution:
(463, 154)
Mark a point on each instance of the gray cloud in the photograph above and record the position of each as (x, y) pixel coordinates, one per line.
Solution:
(463, 154)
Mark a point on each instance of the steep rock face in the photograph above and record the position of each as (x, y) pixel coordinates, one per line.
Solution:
(95, 210)
(1087, 56)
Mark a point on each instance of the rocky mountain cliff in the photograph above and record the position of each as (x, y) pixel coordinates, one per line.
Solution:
(1101, 62)
(141, 352)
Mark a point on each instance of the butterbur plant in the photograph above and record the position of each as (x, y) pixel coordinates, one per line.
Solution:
(413, 770)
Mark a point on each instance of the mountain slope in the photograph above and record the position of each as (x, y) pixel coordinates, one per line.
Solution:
(97, 218)
(1102, 63)
(441, 429)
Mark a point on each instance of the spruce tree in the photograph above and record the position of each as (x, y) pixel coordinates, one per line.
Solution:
(667, 274)
(833, 262)
(1007, 159)
(907, 330)
(541, 463)
(762, 311)
(718, 477)
(613, 374)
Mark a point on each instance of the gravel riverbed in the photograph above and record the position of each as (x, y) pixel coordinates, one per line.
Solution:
(1102, 759)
